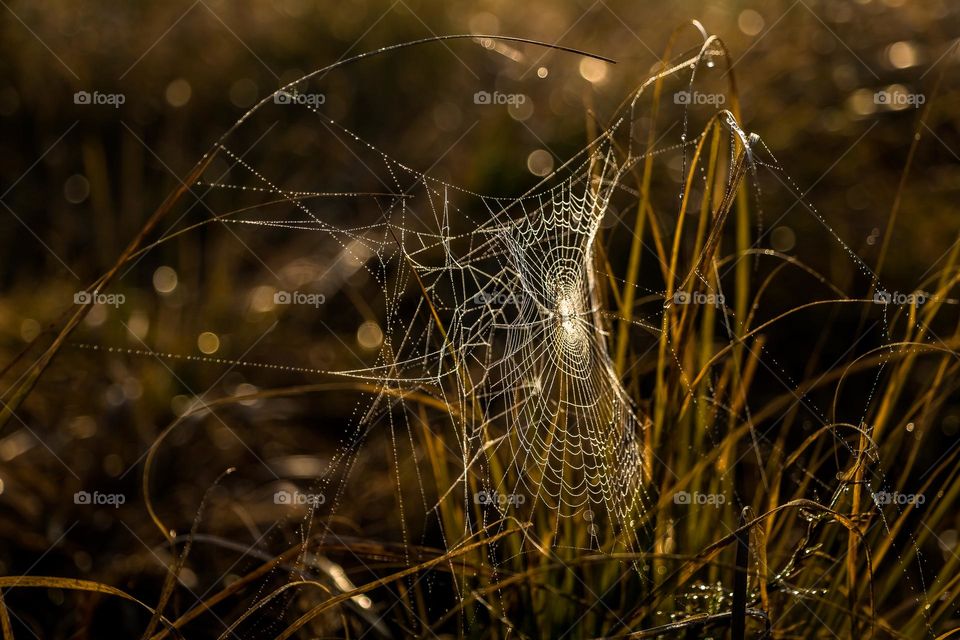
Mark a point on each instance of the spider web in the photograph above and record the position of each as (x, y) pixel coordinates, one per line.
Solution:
(509, 333)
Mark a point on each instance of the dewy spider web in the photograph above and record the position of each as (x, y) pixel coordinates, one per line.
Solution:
(515, 329)
(517, 332)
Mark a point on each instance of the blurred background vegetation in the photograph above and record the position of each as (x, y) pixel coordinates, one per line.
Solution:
(79, 181)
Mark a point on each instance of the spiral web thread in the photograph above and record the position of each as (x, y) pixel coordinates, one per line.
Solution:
(519, 337)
